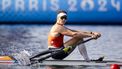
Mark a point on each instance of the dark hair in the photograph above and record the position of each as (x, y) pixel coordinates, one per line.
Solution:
(61, 11)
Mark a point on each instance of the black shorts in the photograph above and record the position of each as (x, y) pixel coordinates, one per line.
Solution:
(58, 54)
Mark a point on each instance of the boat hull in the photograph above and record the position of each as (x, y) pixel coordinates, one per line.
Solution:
(8, 60)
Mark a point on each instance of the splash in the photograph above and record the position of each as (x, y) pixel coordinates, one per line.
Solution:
(22, 58)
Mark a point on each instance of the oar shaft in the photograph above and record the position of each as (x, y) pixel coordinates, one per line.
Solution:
(87, 40)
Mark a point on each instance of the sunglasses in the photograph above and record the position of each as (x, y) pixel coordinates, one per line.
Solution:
(64, 17)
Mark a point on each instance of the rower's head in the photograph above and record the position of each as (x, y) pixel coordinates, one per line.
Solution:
(61, 17)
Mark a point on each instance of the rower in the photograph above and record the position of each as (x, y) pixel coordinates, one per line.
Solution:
(56, 39)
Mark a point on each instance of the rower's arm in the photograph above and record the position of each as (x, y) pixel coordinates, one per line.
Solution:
(68, 32)
(89, 33)
(83, 33)
(86, 32)
(74, 33)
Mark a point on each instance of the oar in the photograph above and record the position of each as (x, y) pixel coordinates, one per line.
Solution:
(58, 51)
(87, 40)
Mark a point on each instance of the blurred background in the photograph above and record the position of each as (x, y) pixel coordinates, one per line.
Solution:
(44, 11)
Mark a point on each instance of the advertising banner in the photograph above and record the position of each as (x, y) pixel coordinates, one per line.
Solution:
(45, 10)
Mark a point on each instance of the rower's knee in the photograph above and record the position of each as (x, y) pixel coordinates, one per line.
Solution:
(67, 49)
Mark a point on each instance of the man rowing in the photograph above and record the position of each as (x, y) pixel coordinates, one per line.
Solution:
(56, 39)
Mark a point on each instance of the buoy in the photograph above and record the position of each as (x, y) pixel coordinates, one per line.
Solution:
(115, 66)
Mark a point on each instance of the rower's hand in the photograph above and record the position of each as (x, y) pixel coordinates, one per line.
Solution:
(95, 35)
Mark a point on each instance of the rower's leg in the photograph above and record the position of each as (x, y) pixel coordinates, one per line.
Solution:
(41, 53)
(83, 51)
(57, 54)
(70, 45)
(72, 42)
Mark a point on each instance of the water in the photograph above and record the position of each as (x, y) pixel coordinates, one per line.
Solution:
(33, 38)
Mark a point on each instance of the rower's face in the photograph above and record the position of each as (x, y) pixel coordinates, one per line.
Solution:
(62, 19)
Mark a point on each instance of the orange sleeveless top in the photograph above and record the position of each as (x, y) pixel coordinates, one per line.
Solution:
(55, 41)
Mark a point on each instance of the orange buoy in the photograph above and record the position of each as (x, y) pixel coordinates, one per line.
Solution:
(115, 66)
